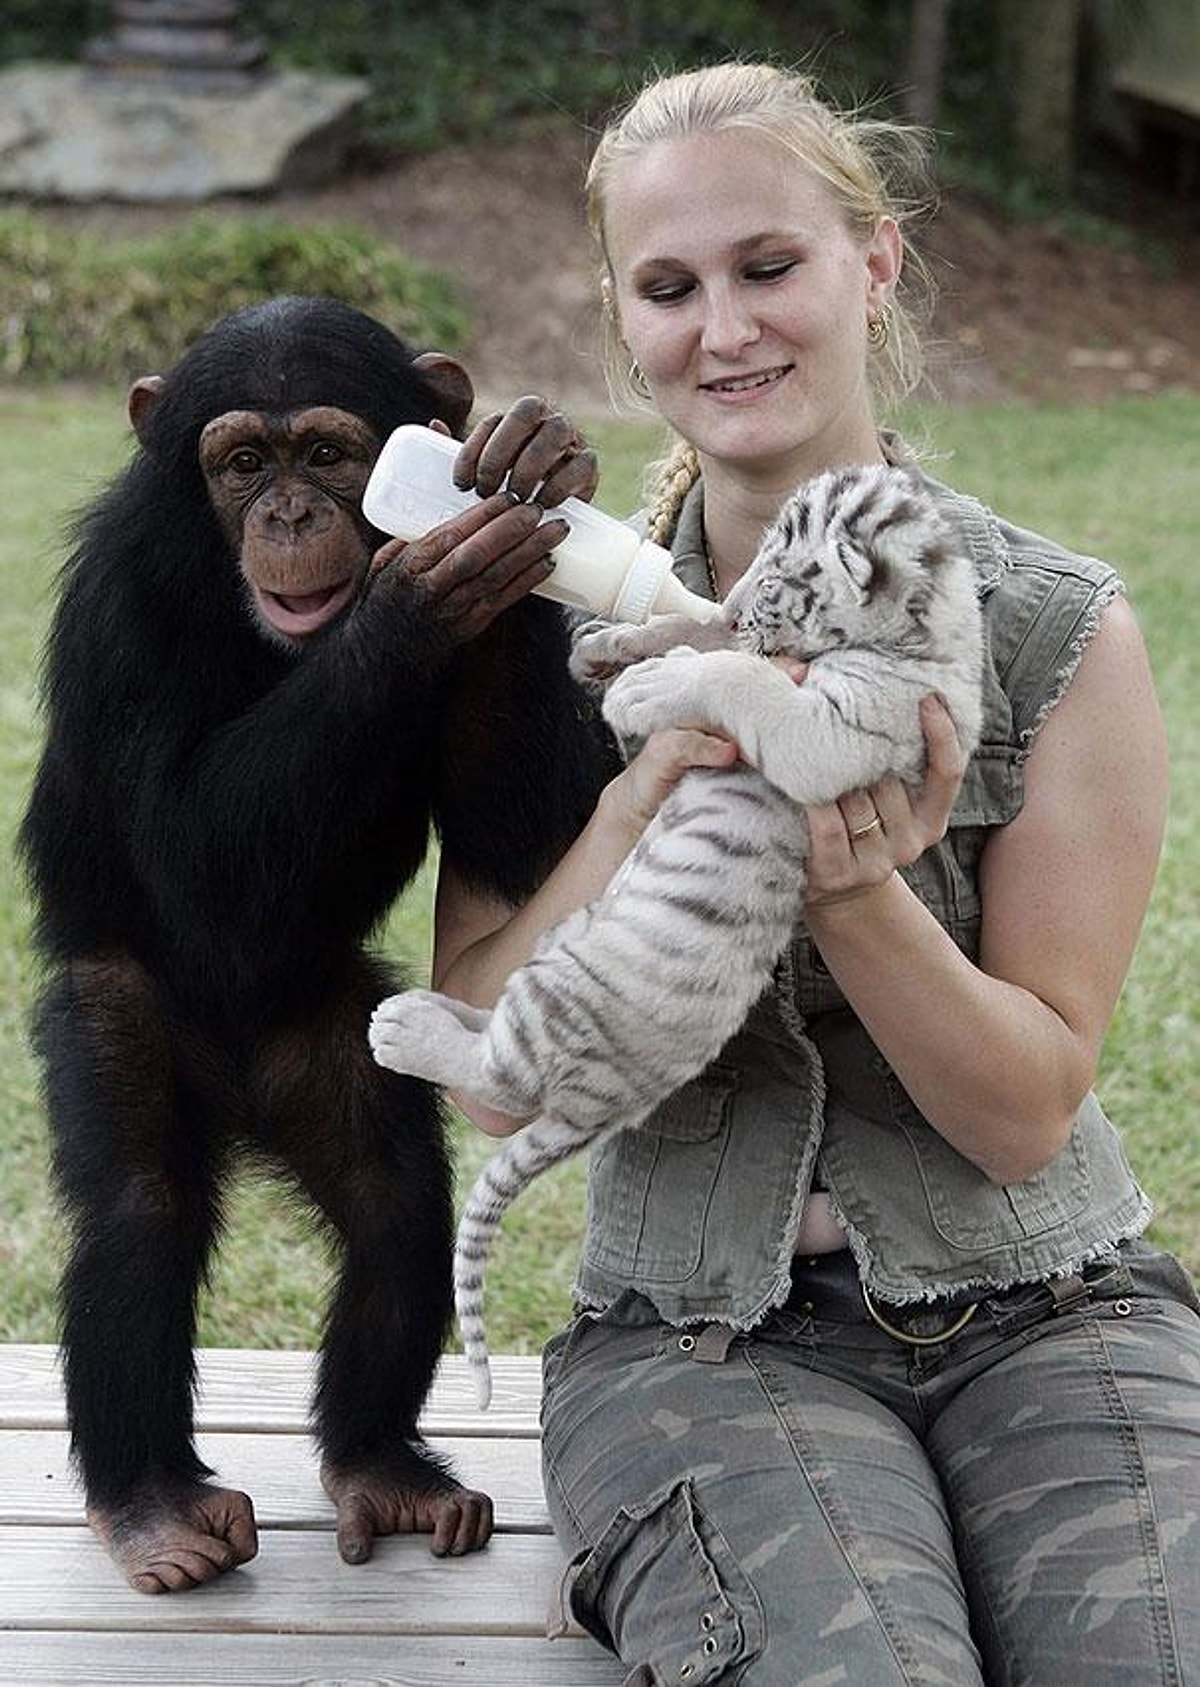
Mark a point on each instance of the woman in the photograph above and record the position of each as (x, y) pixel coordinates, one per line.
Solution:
(872, 1379)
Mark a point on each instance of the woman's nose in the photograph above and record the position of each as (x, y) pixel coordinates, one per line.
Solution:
(729, 324)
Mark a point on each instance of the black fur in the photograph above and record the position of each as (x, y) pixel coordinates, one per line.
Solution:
(217, 825)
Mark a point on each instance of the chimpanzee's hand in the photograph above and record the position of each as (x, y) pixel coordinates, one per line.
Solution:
(536, 447)
(471, 569)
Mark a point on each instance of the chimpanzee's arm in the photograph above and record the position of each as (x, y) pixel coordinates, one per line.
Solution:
(524, 754)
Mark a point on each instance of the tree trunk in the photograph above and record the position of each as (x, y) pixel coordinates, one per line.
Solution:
(1039, 49)
(926, 53)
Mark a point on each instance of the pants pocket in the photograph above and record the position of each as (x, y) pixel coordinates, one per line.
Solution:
(662, 1589)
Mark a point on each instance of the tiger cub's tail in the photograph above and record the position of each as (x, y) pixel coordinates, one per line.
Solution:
(537, 1146)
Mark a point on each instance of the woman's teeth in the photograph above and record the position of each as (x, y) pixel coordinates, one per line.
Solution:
(745, 383)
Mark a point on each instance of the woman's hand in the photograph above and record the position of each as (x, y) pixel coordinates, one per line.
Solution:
(630, 801)
(858, 842)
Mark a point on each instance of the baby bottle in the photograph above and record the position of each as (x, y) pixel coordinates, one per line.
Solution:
(601, 566)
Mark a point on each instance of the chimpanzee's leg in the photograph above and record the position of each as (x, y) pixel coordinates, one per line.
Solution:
(367, 1147)
(138, 1171)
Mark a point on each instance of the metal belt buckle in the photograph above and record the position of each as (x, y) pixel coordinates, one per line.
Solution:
(897, 1334)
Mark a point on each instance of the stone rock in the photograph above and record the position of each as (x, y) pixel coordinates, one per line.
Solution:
(67, 132)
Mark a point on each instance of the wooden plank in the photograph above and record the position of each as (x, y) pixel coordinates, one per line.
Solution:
(264, 1390)
(289, 1660)
(279, 1472)
(61, 1578)
(296, 1615)
(30, 1388)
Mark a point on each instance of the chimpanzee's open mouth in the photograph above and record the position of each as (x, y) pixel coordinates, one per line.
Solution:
(297, 614)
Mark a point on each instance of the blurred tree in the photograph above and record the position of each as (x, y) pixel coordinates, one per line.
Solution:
(921, 96)
(1039, 62)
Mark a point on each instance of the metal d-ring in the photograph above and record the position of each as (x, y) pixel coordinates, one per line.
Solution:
(960, 1323)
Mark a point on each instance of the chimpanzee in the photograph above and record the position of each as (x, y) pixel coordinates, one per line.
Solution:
(255, 709)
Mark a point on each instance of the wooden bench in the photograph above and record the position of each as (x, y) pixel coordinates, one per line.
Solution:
(297, 1614)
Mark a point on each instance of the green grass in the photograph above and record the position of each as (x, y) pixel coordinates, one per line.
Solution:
(1116, 480)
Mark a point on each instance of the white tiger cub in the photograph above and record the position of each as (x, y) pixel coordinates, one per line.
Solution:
(633, 995)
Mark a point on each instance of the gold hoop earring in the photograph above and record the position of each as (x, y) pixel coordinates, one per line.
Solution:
(637, 380)
(877, 330)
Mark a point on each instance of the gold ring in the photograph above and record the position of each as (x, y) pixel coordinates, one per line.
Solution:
(862, 831)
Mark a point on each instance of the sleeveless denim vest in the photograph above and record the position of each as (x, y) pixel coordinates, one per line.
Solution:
(698, 1207)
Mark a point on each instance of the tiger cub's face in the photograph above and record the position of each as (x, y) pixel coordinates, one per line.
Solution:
(850, 560)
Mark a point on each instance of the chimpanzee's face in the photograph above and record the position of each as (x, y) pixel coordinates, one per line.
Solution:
(287, 491)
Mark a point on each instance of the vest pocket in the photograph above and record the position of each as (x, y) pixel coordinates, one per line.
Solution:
(969, 1211)
(650, 1187)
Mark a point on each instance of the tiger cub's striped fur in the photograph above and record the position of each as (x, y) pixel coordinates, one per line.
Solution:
(633, 995)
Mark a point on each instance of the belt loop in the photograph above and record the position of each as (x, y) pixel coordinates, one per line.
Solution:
(1067, 1293)
(713, 1343)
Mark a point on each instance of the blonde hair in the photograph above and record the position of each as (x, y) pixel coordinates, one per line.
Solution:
(873, 168)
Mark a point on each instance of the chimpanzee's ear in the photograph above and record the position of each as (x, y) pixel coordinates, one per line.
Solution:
(143, 396)
(453, 385)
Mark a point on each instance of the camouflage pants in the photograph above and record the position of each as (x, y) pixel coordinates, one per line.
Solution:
(819, 1502)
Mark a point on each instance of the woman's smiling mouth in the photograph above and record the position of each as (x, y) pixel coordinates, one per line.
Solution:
(735, 385)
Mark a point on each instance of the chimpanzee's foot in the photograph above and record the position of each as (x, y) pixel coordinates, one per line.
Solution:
(400, 1497)
(178, 1535)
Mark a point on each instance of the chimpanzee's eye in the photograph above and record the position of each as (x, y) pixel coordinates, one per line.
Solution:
(245, 460)
(325, 454)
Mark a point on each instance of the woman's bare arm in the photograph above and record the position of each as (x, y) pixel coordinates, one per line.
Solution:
(999, 1056)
